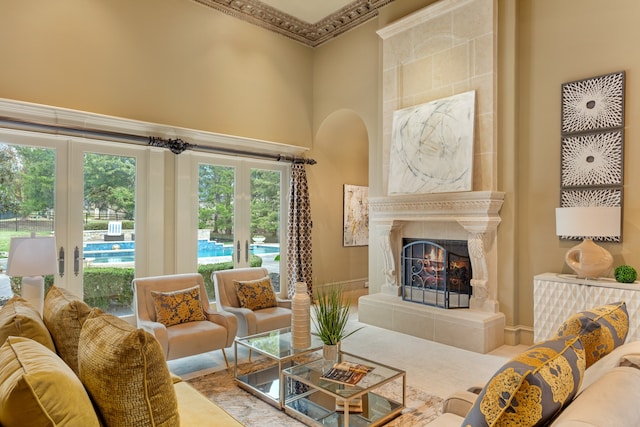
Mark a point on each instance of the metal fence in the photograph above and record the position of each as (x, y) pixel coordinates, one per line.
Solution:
(21, 224)
(45, 224)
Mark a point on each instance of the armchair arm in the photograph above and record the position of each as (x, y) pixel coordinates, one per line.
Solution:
(226, 320)
(459, 403)
(158, 330)
(246, 319)
(286, 303)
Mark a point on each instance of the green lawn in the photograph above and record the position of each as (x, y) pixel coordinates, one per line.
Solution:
(5, 239)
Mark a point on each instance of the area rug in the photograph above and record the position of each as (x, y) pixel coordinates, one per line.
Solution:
(221, 388)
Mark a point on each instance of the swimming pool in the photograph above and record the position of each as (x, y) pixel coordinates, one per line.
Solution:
(115, 252)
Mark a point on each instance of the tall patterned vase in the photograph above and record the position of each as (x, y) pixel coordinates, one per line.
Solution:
(301, 317)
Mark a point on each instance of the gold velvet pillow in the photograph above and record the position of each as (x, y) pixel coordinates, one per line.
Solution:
(18, 318)
(177, 307)
(125, 373)
(38, 389)
(601, 329)
(256, 294)
(531, 388)
(63, 314)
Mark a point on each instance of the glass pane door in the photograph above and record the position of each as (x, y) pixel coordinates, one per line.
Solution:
(83, 193)
(216, 197)
(239, 216)
(108, 243)
(27, 202)
(265, 225)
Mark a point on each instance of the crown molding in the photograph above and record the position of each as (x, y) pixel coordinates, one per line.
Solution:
(262, 15)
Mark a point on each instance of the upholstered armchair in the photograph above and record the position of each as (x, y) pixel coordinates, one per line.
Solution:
(255, 289)
(175, 309)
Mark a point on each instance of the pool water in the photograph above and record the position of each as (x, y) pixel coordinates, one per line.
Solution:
(113, 252)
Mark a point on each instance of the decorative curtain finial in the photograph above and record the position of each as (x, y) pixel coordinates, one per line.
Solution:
(176, 146)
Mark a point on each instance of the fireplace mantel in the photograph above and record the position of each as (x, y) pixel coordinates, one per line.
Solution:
(476, 214)
(472, 216)
(464, 207)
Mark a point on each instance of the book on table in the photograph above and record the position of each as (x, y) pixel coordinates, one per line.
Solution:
(347, 372)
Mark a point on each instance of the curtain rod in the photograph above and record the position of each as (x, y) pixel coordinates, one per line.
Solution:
(176, 146)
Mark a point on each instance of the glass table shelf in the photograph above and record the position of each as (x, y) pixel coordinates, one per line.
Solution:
(379, 397)
(269, 353)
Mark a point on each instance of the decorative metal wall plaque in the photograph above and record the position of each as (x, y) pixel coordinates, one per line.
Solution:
(592, 147)
(593, 104)
(592, 159)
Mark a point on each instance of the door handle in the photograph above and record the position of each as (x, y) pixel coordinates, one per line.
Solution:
(246, 251)
(61, 261)
(76, 261)
(238, 251)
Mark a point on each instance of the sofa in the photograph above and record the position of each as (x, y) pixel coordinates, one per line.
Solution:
(585, 376)
(78, 366)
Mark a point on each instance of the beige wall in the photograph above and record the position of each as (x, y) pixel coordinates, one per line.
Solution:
(345, 110)
(174, 62)
(558, 42)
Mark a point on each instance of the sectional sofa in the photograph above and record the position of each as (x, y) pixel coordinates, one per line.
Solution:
(585, 376)
(77, 366)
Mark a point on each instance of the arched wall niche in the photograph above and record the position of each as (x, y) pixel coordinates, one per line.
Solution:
(341, 148)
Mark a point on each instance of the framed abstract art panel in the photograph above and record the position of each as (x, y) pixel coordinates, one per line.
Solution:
(432, 146)
(356, 215)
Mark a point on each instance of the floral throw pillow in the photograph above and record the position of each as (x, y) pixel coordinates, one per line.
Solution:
(173, 308)
(532, 387)
(256, 294)
(601, 329)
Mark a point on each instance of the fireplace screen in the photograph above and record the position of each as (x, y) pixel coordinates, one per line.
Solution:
(436, 273)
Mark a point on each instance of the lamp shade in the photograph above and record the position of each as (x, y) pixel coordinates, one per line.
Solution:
(588, 221)
(31, 256)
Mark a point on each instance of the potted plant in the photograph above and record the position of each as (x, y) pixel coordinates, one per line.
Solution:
(331, 313)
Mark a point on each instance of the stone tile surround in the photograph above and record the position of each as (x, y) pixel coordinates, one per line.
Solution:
(445, 49)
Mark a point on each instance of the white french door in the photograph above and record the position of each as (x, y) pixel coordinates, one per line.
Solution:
(239, 212)
(55, 200)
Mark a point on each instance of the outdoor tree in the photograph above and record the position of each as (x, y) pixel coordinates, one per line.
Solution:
(36, 179)
(9, 189)
(109, 183)
(216, 190)
(265, 201)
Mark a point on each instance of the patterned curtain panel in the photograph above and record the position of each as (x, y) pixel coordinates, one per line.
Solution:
(299, 262)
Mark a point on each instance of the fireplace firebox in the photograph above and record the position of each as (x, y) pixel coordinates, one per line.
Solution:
(436, 272)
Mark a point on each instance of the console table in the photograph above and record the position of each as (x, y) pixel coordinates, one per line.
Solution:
(558, 296)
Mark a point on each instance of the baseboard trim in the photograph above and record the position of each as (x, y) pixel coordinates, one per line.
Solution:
(520, 334)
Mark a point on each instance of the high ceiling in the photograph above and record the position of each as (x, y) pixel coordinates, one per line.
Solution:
(311, 22)
(310, 11)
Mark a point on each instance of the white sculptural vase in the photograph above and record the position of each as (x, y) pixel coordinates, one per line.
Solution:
(589, 260)
(301, 317)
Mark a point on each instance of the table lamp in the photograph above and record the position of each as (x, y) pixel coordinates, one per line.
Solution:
(31, 258)
(587, 259)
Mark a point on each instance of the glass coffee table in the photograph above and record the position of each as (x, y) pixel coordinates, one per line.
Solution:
(377, 398)
(269, 353)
